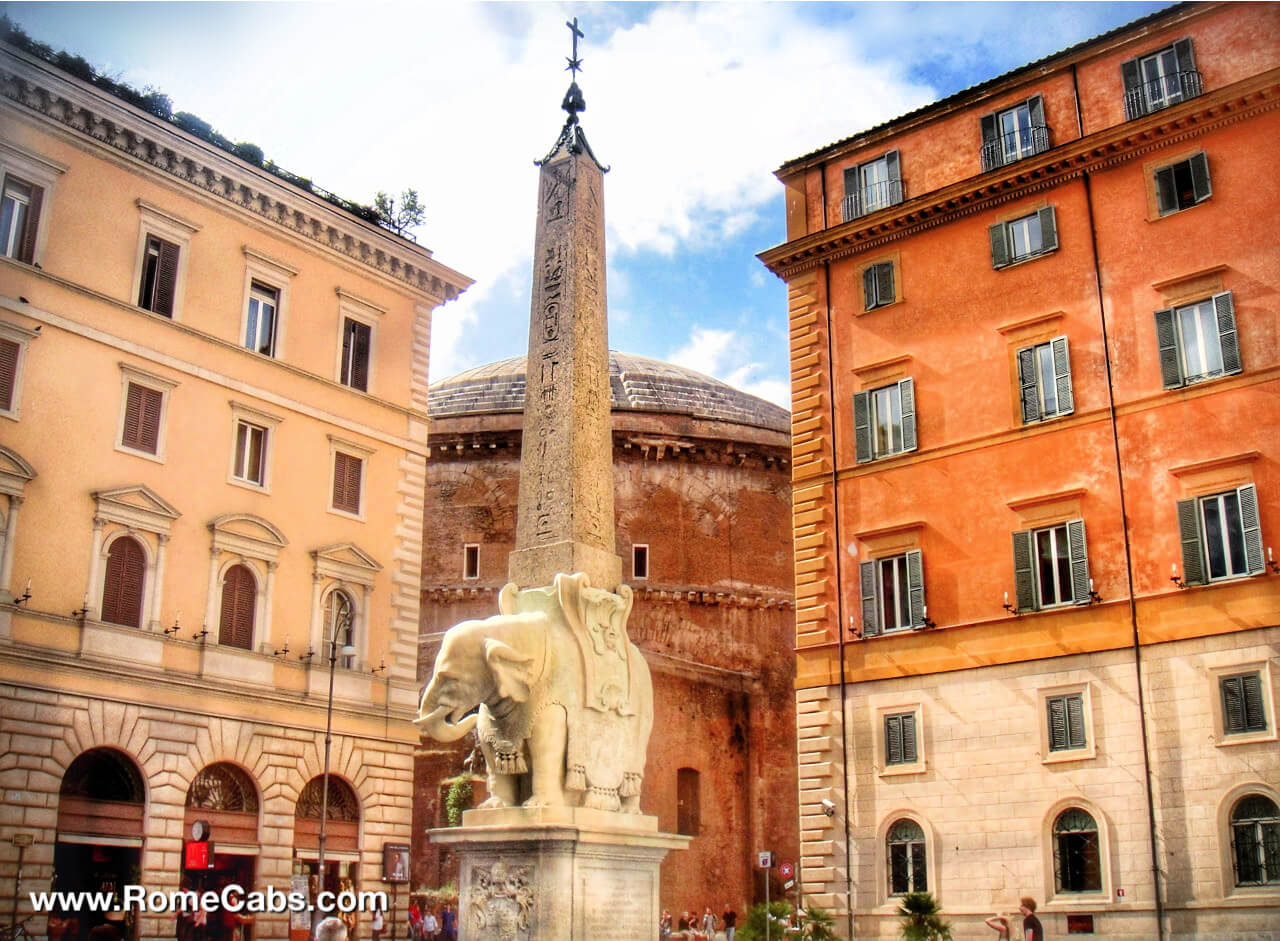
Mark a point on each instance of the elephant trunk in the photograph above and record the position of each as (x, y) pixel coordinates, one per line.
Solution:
(437, 725)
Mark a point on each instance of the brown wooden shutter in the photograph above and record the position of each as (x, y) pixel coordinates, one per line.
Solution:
(347, 471)
(166, 278)
(239, 595)
(27, 243)
(123, 584)
(9, 351)
(142, 418)
(360, 357)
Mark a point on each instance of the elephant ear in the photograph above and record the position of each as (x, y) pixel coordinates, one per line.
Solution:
(512, 671)
(622, 612)
(507, 598)
(572, 593)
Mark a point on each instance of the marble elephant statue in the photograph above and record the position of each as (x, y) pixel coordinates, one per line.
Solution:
(565, 701)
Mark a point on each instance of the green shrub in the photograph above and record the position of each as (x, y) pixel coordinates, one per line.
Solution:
(779, 915)
(920, 921)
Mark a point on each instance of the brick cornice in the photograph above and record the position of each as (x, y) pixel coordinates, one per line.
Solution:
(89, 116)
(683, 594)
(1117, 145)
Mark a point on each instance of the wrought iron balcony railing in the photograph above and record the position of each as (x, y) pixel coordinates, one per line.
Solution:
(1161, 93)
(870, 198)
(1014, 146)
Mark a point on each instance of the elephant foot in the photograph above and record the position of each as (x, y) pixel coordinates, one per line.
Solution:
(537, 800)
(493, 803)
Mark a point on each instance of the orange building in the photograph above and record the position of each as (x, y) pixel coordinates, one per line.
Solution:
(213, 424)
(1036, 373)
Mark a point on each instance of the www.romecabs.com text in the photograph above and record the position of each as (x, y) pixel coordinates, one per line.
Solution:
(231, 898)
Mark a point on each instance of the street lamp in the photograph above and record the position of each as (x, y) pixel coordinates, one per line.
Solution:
(341, 626)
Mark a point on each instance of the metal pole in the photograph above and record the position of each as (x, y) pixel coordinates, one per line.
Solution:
(766, 900)
(341, 615)
(17, 888)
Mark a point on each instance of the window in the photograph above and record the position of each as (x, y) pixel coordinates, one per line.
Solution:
(1160, 79)
(347, 473)
(123, 582)
(250, 462)
(356, 337)
(1198, 341)
(19, 214)
(260, 322)
(688, 802)
(1022, 238)
(141, 429)
(1066, 722)
(1077, 861)
(871, 186)
(884, 421)
(471, 561)
(9, 352)
(1014, 133)
(1183, 184)
(900, 739)
(907, 869)
(239, 600)
(877, 285)
(1044, 378)
(1221, 536)
(1255, 841)
(1243, 706)
(640, 561)
(159, 276)
(340, 628)
(892, 593)
(1051, 566)
(164, 242)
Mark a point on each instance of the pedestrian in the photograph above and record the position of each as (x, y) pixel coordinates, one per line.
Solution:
(664, 925)
(376, 924)
(331, 929)
(1000, 925)
(448, 923)
(1031, 928)
(431, 925)
(708, 923)
(730, 919)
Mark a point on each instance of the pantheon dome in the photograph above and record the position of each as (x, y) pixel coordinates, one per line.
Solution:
(703, 527)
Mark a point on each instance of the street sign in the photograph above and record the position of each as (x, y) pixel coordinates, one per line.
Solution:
(765, 859)
(786, 871)
(788, 884)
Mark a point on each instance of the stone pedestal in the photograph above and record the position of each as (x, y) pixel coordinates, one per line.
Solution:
(558, 874)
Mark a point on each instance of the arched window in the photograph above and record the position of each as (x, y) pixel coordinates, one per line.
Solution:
(340, 625)
(688, 802)
(239, 598)
(101, 794)
(1255, 840)
(907, 858)
(342, 820)
(1077, 860)
(123, 582)
(223, 786)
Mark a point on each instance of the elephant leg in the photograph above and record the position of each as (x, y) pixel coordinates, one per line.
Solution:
(502, 787)
(547, 746)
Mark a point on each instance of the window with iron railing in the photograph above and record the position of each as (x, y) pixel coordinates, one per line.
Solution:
(1014, 133)
(871, 186)
(1160, 79)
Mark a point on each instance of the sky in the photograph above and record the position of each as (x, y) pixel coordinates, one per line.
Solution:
(692, 105)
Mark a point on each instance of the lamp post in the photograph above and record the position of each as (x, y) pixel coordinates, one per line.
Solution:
(341, 623)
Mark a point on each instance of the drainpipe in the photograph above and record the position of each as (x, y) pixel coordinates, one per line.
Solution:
(1128, 563)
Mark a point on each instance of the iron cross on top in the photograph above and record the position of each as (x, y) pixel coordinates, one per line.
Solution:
(575, 63)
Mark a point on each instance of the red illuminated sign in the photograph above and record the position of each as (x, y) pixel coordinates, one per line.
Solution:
(197, 855)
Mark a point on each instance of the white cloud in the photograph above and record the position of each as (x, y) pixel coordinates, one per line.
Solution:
(723, 354)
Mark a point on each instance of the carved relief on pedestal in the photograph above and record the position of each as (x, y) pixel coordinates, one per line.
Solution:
(501, 902)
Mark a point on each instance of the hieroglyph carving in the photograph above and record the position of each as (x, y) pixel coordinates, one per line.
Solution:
(501, 901)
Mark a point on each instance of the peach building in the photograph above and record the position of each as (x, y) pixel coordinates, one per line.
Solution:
(213, 425)
(1036, 425)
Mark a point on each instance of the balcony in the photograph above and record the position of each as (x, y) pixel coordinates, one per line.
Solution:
(1014, 146)
(1161, 93)
(870, 198)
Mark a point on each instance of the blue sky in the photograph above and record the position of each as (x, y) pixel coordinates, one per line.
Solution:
(692, 104)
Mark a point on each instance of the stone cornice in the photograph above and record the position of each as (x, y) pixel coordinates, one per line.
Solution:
(1103, 150)
(705, 597)
(89, 116)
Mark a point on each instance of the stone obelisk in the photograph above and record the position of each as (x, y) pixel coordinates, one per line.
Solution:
(565, 521)
(560, 700)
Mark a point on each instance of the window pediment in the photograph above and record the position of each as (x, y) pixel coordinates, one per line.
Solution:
(247, 535)
(346, 562)
(14, 472)
(137, 506)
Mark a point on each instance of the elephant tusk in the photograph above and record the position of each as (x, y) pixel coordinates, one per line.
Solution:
(437, 725)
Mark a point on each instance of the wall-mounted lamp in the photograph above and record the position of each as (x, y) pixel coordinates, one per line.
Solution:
(200, 634)
(382, 665)
(83, 610)
(1174, 578)
(924, 613)
(25, 596)
(1094, 597)
(306, 657)
(177, 625)
(1010, 608)
(283, 651)
(1271, 563)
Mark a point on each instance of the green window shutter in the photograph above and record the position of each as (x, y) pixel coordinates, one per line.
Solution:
(1167, 342)
(852, 192)
(869, 287)
(908, 738)
(1166, 191)
(1078, 553)
(1232, 704)
(1185, 55)
(915, 587)
(1248, 497)
(867, 579)
(884, 283)
(992, 152)
(1057, 723)
(999, 245)
(862, 427)
(1075, 721)
(1024, 579)
(1255, 713)
(1225, 308)
(1039, 132)
(1189, 535)
(1028, 388)
(907, 392)
(893, 740)
(1135, 102)
(1062, 375)
(893, 166)
(1048, 229)
(1200, 176)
